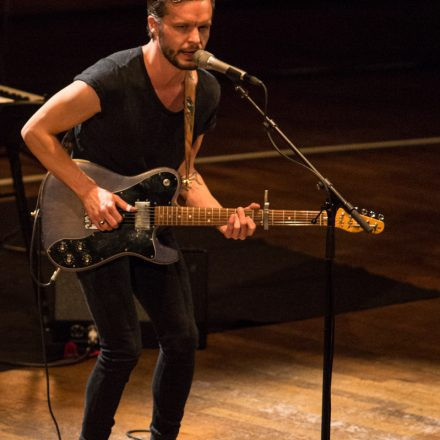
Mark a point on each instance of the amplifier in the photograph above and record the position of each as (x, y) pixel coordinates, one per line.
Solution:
(70, 317)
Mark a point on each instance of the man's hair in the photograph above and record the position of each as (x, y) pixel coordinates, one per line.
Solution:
(158, 8)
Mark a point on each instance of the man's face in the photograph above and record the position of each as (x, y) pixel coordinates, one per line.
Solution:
(184, 30)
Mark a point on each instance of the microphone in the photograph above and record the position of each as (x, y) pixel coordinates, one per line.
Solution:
(208, 61)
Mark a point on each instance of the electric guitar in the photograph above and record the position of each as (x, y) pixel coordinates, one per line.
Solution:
(73, 243)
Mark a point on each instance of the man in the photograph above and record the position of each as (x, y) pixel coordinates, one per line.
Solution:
(126, 114)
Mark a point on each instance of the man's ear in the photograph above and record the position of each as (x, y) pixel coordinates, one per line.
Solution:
(152, 25)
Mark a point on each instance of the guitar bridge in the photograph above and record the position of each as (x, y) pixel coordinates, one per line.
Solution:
(142, 217)
(88, 223)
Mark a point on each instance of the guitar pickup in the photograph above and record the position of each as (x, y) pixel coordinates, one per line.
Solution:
(142, 216)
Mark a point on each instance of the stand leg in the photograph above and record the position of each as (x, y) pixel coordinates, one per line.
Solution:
(329, 327)
(20, 196)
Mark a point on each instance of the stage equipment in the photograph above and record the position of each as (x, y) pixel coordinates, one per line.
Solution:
(70, 318)
(208, 61)
(16, 106)
(334, 201)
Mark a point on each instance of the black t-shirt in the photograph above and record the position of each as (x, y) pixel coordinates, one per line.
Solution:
(134, 132)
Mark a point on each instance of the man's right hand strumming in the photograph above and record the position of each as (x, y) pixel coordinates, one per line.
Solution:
(102, 208)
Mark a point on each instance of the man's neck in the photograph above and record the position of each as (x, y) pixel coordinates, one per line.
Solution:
(162, 73)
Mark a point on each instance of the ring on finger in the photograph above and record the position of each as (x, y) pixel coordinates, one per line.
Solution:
(102, 222)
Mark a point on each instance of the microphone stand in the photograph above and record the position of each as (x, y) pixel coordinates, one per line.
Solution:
(334, 200)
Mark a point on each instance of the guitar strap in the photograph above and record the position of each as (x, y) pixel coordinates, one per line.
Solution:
(68, 141)
(189, 110)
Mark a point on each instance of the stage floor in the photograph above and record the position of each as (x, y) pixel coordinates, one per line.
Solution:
(265, 382)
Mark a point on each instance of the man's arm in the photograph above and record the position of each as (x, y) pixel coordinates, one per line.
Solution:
(69, 107)
(239, 225)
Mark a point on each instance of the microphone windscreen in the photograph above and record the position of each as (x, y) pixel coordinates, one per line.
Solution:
(201, 58)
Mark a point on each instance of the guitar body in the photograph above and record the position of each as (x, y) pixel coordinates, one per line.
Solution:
(72, 244)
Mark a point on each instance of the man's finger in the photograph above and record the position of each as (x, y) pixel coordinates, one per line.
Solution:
(253, 205)
(103, 225)
(229, 227)
(242, 224)
(123, 204)
(251, 227)
(237, 227)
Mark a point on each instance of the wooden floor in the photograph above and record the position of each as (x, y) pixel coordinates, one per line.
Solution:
(265, 383)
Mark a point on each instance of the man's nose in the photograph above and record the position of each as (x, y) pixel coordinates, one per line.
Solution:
(194, 36)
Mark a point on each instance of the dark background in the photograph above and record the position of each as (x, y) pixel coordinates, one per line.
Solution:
(44, 43)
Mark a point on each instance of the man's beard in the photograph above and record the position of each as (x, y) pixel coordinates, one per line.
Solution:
(171, 56)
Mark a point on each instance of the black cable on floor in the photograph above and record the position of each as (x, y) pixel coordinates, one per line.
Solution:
(130, 433)
(46, 367)
(36, 231)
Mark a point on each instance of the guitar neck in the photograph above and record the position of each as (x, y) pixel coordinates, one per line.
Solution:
(190, 216)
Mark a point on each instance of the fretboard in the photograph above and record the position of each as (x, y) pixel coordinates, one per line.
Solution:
(189, 216)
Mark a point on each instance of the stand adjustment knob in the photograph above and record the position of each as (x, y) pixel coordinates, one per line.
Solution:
(266, 210)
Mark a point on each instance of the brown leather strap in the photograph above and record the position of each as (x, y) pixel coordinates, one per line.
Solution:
(189, 110)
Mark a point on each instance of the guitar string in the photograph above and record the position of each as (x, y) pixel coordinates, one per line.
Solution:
(212, 215)
(286, 223)
(190, 215)
(223, 220)
(208, 212)
(193, 218)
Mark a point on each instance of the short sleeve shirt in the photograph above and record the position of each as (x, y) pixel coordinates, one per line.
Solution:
(135, 132)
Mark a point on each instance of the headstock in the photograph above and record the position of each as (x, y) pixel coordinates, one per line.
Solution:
(346, 222)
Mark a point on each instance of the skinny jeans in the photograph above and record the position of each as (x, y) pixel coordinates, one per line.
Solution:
(164, 292)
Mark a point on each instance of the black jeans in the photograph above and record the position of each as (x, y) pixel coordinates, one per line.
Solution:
(165, 293)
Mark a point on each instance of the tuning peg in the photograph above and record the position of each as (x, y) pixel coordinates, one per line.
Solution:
(372, 214)
(364, 212)
(381, 217)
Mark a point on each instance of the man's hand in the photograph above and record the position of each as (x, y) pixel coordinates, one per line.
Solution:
(101, 207)
(239, 225)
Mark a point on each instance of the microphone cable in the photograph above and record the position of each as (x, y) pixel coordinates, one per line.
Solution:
(130, 433)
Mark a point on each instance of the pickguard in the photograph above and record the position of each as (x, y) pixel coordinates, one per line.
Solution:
(84, 248)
